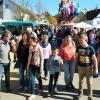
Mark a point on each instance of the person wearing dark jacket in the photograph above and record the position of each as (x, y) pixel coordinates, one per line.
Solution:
(22, 56)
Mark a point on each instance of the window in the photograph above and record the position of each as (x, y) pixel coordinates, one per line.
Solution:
(6, 6)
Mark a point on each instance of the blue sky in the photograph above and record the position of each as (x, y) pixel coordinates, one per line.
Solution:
(52, 5)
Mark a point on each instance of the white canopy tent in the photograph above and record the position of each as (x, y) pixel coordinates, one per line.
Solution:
(83, 25)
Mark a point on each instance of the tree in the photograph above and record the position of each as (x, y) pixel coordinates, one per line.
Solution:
(47, 14)
(52, 20)
(58, 18)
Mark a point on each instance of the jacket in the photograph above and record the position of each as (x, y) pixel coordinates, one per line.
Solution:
(38, 57)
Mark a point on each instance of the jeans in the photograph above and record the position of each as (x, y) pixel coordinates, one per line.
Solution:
(7, 74)
(68, 72)
(1, 73)
(23, 81)
(45, 67)
(35, 72)
(55, 78)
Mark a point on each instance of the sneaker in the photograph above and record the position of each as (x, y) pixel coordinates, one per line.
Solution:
(90, 98)
(72, 86)
(78, 96)
(40, 92)
(55, 90)
(50, 93)
(8, 90)
(67, 87)
(32, 97)
(26, 89)
(46, 78)
(21, 88)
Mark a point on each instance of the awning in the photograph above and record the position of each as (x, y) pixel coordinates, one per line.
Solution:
(17, 23)
(83, 25)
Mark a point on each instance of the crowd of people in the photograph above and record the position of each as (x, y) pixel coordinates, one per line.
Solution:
(37, 51)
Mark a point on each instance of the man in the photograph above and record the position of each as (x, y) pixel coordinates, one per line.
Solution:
(4, 59)
(31, 32)
(86, 59)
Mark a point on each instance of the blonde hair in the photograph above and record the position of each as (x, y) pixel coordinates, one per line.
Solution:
(67, 37)
(84, 36)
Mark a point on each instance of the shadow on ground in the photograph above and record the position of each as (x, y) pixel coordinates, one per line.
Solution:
(61, 95)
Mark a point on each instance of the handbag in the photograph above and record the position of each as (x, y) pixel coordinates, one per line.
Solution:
(17, 64)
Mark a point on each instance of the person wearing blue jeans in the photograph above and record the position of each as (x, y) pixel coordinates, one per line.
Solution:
(1, 73)
(5, 48)
(22, 56)
(46, 68)
(68, 70)
(35, 64)
(24, 82)
(35, 72)
(7, 74)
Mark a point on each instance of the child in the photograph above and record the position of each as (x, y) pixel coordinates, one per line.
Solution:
(55, 62)
(85, 55)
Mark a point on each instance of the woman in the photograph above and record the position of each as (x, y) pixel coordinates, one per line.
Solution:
(46, 46)
(67, 52)
(35, 63)
(22, 56)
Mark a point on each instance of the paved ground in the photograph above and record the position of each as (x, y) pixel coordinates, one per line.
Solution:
(62, 93)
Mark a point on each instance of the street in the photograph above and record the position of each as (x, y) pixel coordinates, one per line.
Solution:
(62, 93)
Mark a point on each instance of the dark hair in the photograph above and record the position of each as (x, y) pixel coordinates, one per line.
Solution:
(44, 33)
(5, 33)
(27, 34)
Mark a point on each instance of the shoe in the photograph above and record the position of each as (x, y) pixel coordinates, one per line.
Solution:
(72, 86)
(40, 92)
(21, 88)
(32, 97)
(55, 90)
(26, 89)
(50, 93)
(67, 87)
(79, 96)
(8, 90)
(90, 98)
(46, 78)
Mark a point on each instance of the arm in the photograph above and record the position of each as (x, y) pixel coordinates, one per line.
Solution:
(98, 58)
(29, 59)
(50, 51)
(41, 59)
(95, 64)
(13, 46)
(75, 62)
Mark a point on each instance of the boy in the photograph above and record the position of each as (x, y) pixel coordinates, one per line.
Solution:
(55, 63)
(86, 59)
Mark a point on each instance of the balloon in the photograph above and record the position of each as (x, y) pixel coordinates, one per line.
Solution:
(72, 9)
(68, 12)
